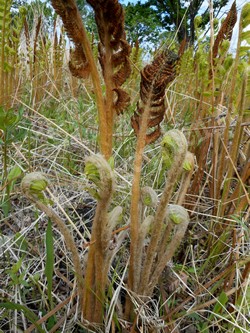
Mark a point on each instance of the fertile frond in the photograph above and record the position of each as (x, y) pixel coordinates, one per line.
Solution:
(122, 101)
(226, 29)
(10, 30)
(78, 64)
(113, 49)
(154, 79)
(74, 27)
(38, 28)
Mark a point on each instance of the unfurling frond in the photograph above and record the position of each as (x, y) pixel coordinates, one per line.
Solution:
(154, 79)
(113, 50)
(226, 30)
(74, 27)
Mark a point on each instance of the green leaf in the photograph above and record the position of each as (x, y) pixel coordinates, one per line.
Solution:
(245, 35)
(92, 173)
(21, 242)
(244, 50)
(15, 268)
(14, 173)
(5, 206)
(7, 67)
(27, 312)
(219, 306)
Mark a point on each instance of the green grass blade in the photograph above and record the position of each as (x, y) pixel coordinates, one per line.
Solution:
(49, 266)
(30, 315)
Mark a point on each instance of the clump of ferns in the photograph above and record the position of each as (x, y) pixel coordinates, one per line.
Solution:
(161, 224)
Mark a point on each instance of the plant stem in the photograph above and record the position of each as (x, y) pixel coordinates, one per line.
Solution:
(160, 214)
(134, 208)
(104, 129)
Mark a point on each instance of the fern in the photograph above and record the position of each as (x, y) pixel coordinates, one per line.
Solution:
(5, 66)
(226, 30)
(10, 30)
(154, 79)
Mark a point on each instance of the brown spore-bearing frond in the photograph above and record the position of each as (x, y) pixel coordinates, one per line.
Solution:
(38, 28)
(113, 49)
(70, 17)
(109, 18)
(26, 33)
(120, 56)
(122, 101)
(122, 73)
(72, 21)
(226, 30)
(182, 47)
(154, 79)
(78, 64)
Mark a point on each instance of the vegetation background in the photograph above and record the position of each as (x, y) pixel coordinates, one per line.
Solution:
(50, 123)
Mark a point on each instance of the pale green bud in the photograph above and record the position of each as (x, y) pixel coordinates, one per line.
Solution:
(92, 172)
(98, 171)
(34, 183)
(177, 214)
(172, 144)
(148, 196)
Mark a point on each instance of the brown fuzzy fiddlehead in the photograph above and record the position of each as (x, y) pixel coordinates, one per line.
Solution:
(154, 79)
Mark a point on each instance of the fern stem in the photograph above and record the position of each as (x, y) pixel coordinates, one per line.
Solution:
(214, 139)
(222, 164)
(109, 96)
(96, 268)
(134, 208)
(165, 256)
(104, 128)
(160, 214)
(234, 147)
(4, 31)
